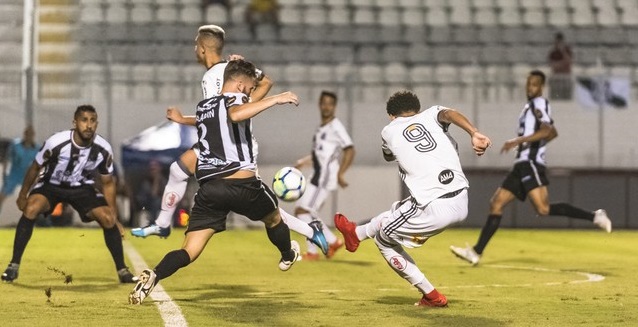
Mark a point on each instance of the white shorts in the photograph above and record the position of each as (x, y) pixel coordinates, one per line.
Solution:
(312, 199)
(411, 225)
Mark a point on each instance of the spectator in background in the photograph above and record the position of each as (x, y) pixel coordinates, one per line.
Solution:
(19, 157)
(262, 11)
(560, 60)
(149, 194)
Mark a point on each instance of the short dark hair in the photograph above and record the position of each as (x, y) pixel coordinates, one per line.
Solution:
(328, 94)
(83, 108)
(239, 67)
(559, 36)
(402, 101)
(538, 73)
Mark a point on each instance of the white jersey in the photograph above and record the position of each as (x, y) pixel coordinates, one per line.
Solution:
(67, 164)
(535, 112)
(428, 162)
(213, 80)
(328, 142)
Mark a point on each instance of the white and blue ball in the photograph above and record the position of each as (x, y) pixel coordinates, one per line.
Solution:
(289, 184)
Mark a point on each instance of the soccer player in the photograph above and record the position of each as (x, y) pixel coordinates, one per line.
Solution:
(430, 167)
(527, 178)
(330, 142)
(63, 171)
(209, 44)
(227, 176)
(21, 152)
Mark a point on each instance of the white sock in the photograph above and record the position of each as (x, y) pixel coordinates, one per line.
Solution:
(296, 224)
(403, 264)
(371, 229)
(307, 218)
(173, 194)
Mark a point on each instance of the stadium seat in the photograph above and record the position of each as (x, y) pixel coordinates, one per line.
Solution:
(461, 13)
(295, 73)
(413, 34)
(628, 10)
(490, 36)
(363, 16)
(291, 33)
(320, 73)
(419, 53)
(367, 54)
(394, 52)
(443, 54)
(389, 17)
(466, 34)
(605, 13)
(366, 34)
(267, 33)
(439, 35)
(191, 14)
(410, 4)
(485, 17)
(215, 14)
(582, 13)
(533, 13)
(370, 74)
(116, 13)
(435, 16)
(509, 14)
(314, 15)
(395, 72)
(467, 54)
(414, 17)
(288, 15)
(91, 13)
(339, 15)
(315, 34)
(141, 13)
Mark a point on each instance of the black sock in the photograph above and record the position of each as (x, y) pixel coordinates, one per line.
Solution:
(171, 263)
(113, 240)
(22, 237)
(566, 209)
(491, 225)
(280, 237)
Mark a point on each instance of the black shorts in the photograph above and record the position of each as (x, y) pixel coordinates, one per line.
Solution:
(83, 198)
(216, 198)
(524, 177)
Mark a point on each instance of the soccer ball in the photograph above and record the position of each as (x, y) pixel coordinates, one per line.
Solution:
(289, 184)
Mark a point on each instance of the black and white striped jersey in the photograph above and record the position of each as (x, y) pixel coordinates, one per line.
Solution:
(67, 164)
(535, 113)
(327, 144)
(225, 147)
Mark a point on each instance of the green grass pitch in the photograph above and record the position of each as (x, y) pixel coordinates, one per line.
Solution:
(526, 278)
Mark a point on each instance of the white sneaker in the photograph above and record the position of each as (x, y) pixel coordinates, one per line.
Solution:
(467, 253)
(285, 265)
(143, 288)
(601, 220)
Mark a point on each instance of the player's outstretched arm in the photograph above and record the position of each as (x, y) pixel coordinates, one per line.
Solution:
(252, 109)
(545, 132)
(480, 142)
(302, 162)
(175, 114)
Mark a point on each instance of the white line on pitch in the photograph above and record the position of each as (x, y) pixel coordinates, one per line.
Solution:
(170, 312)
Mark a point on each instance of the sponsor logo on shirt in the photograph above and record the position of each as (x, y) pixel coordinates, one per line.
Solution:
(446, 176)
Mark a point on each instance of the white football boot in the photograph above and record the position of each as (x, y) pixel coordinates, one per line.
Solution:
(602, 220)
(285, 265)
(144, 287)
(467, 253)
